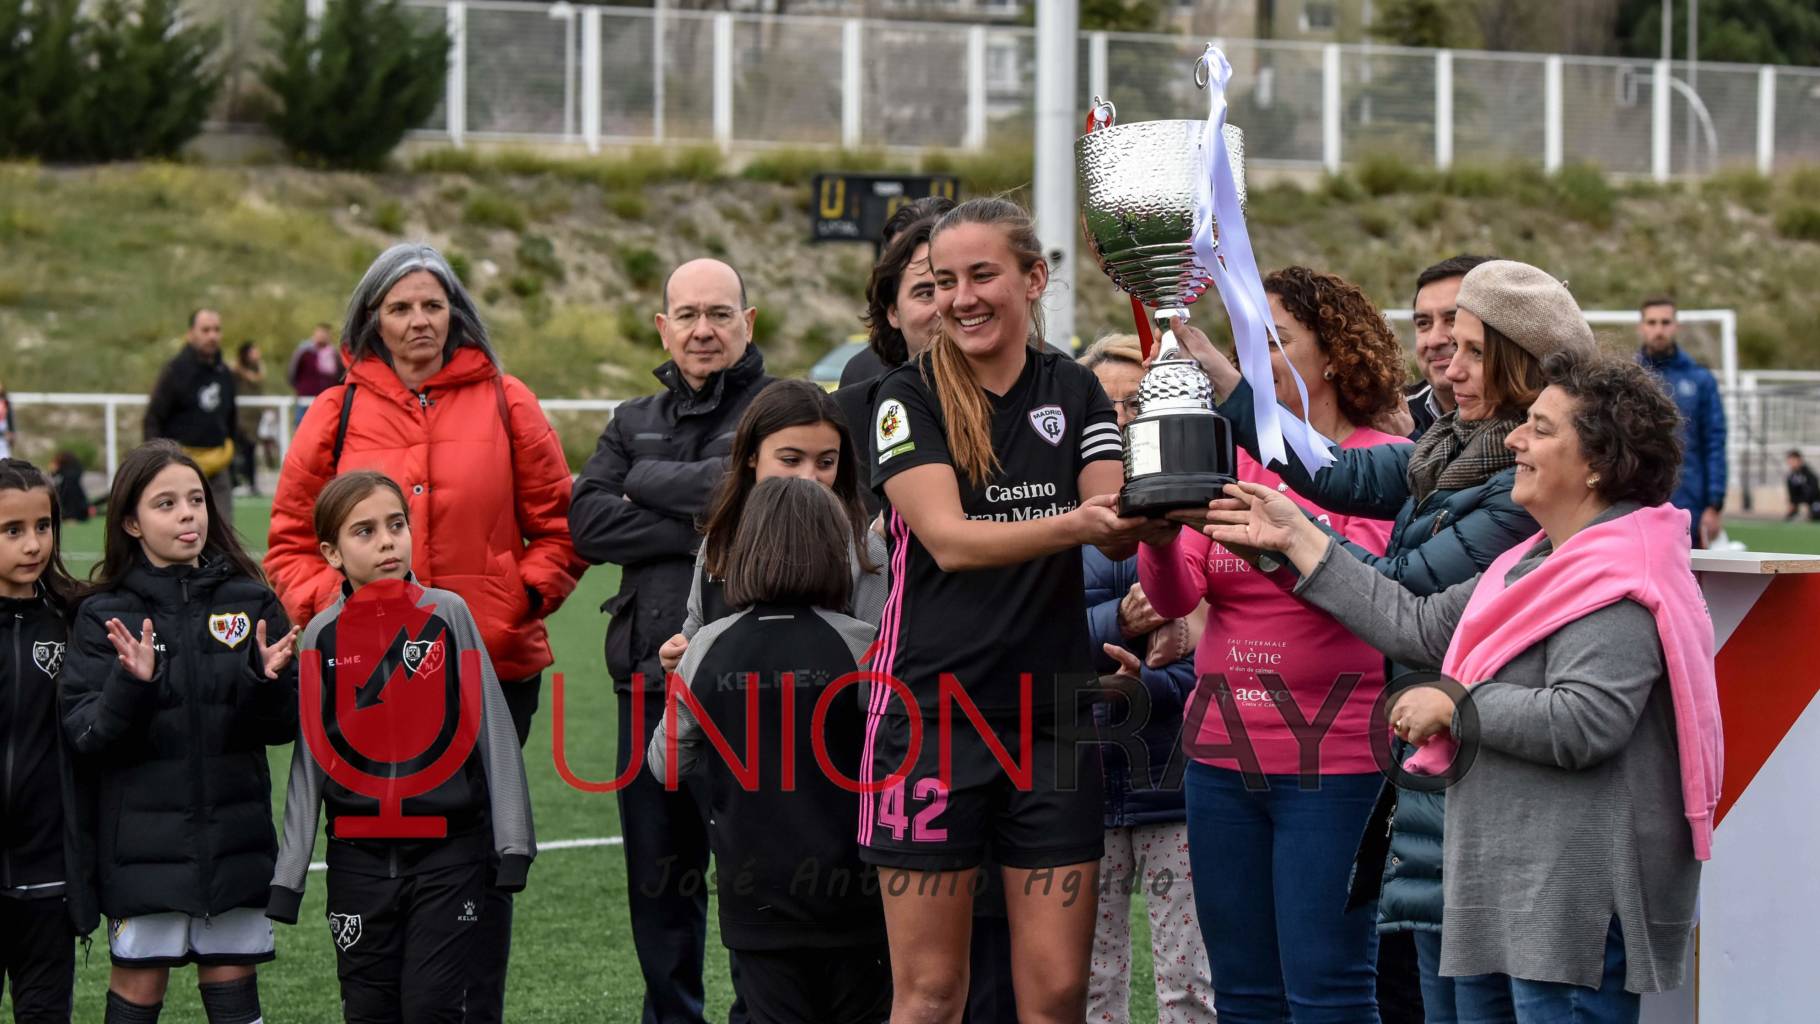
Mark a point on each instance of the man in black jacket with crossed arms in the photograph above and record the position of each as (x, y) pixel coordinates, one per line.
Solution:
(635, 505)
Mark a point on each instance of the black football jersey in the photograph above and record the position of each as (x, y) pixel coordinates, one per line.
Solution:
(988, 627)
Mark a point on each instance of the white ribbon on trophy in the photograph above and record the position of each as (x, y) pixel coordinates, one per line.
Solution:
(1234, 270)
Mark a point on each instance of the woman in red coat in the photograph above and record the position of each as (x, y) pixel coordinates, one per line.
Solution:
(425, 403)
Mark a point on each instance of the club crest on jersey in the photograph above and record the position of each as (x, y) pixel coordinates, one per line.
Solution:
(422, 656)
(48, 656)
(1050, 422)
(346, 929)
(231, 628)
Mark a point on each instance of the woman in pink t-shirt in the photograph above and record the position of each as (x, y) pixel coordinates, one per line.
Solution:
(1281, 779)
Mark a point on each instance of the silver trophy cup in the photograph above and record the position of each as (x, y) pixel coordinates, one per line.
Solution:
(1138, 186)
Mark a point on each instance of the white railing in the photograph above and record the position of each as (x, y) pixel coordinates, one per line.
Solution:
(287, 406)
(597, 76)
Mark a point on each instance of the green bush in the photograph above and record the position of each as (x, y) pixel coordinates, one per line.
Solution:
(1384, 173)
(628, 205)
(641, 267)
(798, 166)
(458, 262)
(1584, 194)
(1804, 182)
(537, 255)
(388, 217)
(698, 163)
(1747, 188)
(351, 85)
(114, 80)
(492, 210)
(1799, 221)
(447, 160)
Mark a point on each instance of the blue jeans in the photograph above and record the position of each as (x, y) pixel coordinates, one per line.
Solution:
(1439, 1005)
(1501, 999)
(1270, 880)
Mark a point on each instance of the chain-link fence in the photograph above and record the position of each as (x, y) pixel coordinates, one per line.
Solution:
(591, 74)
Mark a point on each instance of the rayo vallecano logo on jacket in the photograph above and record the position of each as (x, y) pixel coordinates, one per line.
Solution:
(230, 628)
(48, 656)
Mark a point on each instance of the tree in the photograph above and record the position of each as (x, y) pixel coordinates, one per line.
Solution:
(1112, 15)
(39, 73)
(1436, 24)
(150, 83)
(349, 87)
(1745, 31)
(130, 81)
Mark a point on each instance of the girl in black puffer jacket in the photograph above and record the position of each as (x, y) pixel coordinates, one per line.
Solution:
(45, 900)
(178, 677)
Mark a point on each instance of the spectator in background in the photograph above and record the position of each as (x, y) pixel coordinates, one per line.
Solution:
(1701, 491)
(315, 366)
(194, 404)
(66, 474)
(249, 377)
(9, 427)
(1803, 488)
(1436, 288)
(636, 504)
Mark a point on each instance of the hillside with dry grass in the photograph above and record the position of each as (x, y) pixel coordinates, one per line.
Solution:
(100, 266)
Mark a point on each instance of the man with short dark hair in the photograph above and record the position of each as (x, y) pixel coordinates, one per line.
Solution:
(194, 404)
(1696, 393)
(1436, 288)
(636, 503)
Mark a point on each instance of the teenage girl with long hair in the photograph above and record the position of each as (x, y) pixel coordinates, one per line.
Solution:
(997, 459)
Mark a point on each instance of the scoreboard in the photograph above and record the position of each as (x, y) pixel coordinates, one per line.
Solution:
(855, 207)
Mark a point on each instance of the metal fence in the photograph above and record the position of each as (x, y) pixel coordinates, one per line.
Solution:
(597, 76)
(1769, 412)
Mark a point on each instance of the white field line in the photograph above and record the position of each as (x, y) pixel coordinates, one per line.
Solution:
(555, 844)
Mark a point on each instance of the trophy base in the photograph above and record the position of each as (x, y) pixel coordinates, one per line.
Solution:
(1153, 496)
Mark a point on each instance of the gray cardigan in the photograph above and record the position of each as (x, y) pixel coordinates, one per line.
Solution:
(1572, 813)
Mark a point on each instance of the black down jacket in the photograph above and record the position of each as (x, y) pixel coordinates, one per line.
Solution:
(183, 793)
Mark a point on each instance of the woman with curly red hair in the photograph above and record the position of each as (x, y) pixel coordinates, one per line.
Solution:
(1271, 855)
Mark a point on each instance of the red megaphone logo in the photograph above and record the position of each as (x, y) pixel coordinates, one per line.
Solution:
(402, 717)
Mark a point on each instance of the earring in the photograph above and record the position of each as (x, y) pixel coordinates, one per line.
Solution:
(1592, 481)
(1327, 374)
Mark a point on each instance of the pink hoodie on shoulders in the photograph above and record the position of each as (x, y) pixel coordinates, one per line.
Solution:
(1641, 557)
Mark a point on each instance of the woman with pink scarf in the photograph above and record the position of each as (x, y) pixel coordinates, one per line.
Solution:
(1587, 742)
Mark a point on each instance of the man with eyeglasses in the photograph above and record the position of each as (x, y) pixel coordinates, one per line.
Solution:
(635, 505)
(1436, 288)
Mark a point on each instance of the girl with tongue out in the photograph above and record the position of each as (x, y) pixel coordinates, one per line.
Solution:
(178, 675)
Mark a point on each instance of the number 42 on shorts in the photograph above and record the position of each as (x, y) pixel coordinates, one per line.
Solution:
(893, 815)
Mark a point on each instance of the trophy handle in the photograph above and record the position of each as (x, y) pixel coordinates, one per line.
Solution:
(1167, 347)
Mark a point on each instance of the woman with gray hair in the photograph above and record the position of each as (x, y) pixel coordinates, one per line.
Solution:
(425, 403)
